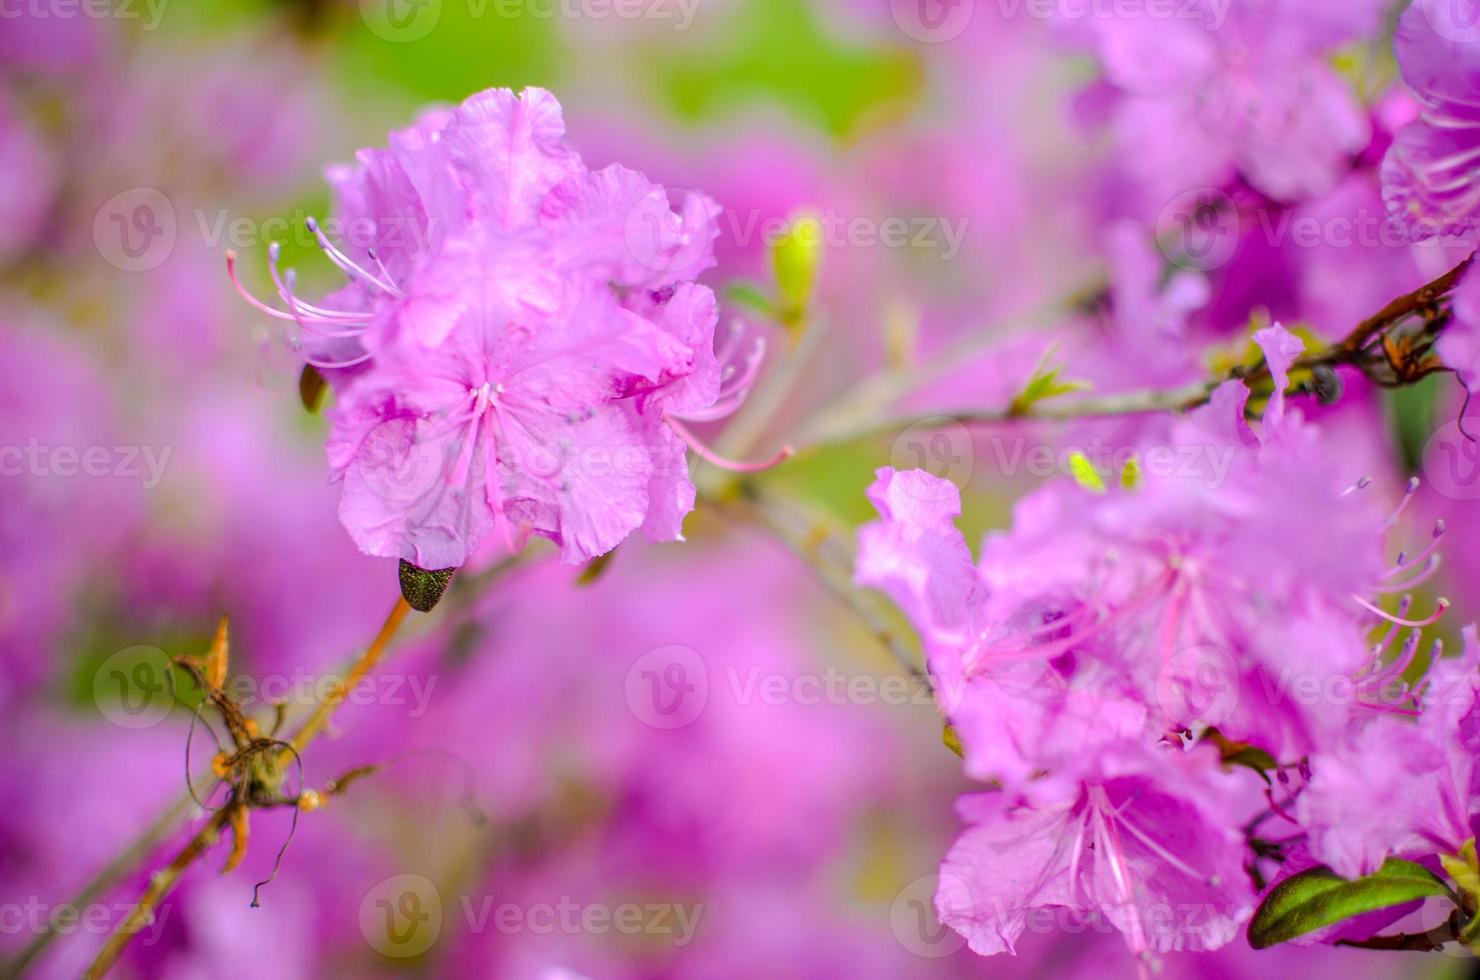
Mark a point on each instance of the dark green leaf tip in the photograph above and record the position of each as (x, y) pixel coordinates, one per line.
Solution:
(311, 388)
(423, 588)
(1319, 897)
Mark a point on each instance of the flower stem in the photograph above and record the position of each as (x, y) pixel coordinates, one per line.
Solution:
(362, 667)
(1350, 350)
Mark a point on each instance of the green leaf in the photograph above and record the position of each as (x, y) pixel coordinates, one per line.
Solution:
(1320, 897)
(422, 588)
(1045, 383)
(751, 296)
(1243, 754)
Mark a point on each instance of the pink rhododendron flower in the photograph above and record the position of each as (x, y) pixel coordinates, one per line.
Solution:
(518, 339)
(1236, 87)
(1428, 175)
(1401, 786)
(1143, 846)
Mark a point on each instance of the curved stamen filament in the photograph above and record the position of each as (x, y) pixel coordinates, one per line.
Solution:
(1409, 491)
(1397, 620)
(313, 323)
(254, 301)
(710, 456)
(329, 365)
(384, 272)
(349, 266)
(1426, 573)
(231, 273)
(1404, 563)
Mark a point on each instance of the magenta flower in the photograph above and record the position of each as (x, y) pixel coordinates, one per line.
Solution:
(1459, 345)
(1401, 786)
(1241, 87)
(1097, 646)
(518, 340)
(1147, 846)
(1428, 175)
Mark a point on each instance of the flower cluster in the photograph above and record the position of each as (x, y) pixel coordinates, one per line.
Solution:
(517, 340)
(1110, 659)
(1232, 88)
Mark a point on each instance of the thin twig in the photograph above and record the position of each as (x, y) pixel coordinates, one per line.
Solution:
(1350, 350)
(829, 555)
(164, 880)
(141, 847)
(342, 687)
(160, 885)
